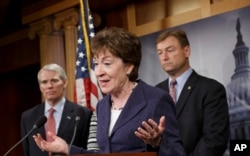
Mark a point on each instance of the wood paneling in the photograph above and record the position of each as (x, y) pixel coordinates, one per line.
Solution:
(20, 59)
(19, 91)
(20, 53)
(153, 16)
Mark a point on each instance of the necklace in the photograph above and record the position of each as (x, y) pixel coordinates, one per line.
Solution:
(112, 102)
(113, 106)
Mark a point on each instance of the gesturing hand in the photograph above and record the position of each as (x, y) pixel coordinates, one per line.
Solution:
(58, 145)
(151, 132)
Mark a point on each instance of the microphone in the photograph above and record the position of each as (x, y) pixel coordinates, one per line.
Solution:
(39, 123)
(78, 113)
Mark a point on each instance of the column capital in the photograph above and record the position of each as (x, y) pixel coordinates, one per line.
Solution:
(66, 19)
(41, 27)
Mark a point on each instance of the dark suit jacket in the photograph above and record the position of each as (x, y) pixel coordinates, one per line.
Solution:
(65, 131)
(202, 116)
(144, 102)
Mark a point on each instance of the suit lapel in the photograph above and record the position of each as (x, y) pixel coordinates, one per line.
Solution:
(104, 116)
(135, 103)
(185, 93)
(38, 113)
(67, 118)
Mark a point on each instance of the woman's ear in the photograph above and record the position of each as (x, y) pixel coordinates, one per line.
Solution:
(130, 68)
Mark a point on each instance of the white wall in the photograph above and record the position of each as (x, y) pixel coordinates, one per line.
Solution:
(212, 43)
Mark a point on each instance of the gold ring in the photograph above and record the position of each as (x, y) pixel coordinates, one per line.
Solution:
(148, 136)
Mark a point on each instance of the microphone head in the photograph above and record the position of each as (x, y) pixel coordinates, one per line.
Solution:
(79, 113)
(40, 122)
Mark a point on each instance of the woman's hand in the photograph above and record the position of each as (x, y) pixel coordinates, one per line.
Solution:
(58, 145)
(151, 132)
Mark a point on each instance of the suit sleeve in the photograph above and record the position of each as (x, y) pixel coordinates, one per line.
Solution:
(84, 128)
(215, 124)
(171, 143)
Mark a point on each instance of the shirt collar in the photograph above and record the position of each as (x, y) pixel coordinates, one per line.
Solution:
(58, 107)
(181, 80)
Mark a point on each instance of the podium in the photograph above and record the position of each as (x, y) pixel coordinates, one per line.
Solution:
(120, 154)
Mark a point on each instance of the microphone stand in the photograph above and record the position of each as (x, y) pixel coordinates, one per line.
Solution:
(19, 142)
(73, 137)
(78, 113)
(41, 121)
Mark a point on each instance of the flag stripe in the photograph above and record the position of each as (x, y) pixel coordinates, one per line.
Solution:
(87, 91)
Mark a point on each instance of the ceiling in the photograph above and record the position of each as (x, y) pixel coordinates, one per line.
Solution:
(11, 11)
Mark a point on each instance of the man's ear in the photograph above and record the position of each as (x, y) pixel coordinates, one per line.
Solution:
(65, 84)
(187, 50)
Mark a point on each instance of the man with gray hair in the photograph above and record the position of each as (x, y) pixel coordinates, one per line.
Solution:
(60, 112)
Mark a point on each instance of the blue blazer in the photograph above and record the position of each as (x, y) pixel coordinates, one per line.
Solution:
(144, 102)
(65, 131)
(202, 116)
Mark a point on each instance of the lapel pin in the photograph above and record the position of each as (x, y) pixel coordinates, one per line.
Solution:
(189, 87)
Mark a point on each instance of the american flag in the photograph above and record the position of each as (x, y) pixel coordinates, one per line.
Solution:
(87, 92)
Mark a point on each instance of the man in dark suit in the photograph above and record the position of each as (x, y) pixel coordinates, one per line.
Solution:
(201, 103)
(52, 82)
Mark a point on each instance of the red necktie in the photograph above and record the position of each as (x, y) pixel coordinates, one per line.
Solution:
(172, 90)
(51, 124)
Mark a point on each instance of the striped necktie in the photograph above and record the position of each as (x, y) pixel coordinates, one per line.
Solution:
(172, 90)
